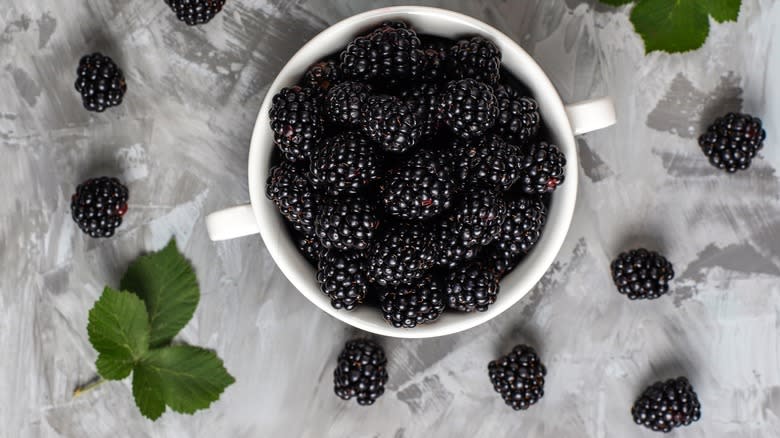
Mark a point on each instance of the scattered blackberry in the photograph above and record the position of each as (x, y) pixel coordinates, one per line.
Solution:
(664, 406)
(477, 217)
(387, 53)
(100, 82)
(98, 206)
(308, 245)
(341, 276)
(475, 58)
(471, 287)
(345, 103)
(450, 248)
(400, 254)
(346, 223)
(406, 306)
(732, 141)
(289, 188)
(642, 274)
(494, 163)
(523, 227)
(194, 12)
(345, 164)
(392, 123)
(323, 75)
(419, 189)
(297, 122)
(469, 108)
(518, 116)
(361, 372)
(424, 102)
(542, 168)
(518, 377)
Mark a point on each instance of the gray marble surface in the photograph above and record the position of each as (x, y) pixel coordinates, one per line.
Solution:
(181, 140)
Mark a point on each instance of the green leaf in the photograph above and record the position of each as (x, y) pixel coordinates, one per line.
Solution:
(617, 2)
(671, 25)
(118, 329)
(723, 10)
(186, 378)
(166, 282)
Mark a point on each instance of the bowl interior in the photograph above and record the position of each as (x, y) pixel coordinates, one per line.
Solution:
(444, 24)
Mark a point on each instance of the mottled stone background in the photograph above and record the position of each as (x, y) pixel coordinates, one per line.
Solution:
(181, 140)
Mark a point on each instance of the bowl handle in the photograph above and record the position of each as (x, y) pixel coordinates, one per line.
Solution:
(591, 115)
(231, 223)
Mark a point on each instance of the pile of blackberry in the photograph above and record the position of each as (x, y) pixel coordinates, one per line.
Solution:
(413, 171)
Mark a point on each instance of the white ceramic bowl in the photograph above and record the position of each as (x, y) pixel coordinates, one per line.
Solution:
(563, 122)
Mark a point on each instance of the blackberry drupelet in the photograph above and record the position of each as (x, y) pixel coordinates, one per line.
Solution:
(477, 217)
(451, 249)
(523, 227)
(424, 103)
(289, 188)
(642, 274)
(433, 67)
(98, 206)
(323, 75)
(345, 164)
(475, 58)
(664, 406)
(100, 82)
(194, 12)
(392, 123)
(469, 108)
(297, 122)
(732, 141)
(518, 116)
(501, 262)
(308, 245)
(346, 102)
(472, 286)
(418, 189)
(361, 372)
(409, 305)
(401, 254)
(342, 277)
(494, 163)
(542, 168)
(346, 223)
(386, 54)
(518, 377)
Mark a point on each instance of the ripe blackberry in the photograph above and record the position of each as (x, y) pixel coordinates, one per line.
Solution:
(642, 274)
(98, 206)
(732, 141)
(387, 53)
(346, 102)
(346, 223)
(500, 261)
(419, 189)
(475, 58)
(493, 163)
(518, 116)
(392, 123)
(322, 76)
(469, 108)
(297, 122)
(542, 168)
(523, 227)
(477, 217)
(308, 245)
(518, 377)
(471, 287)
(345, 164)
(342, 278)
(289, 188)
(400, 254)
(361, 372)
(424, 102)
(451, 249)
(100, 82)
(194, 12)
(433, 66)
(409, 305)
(664, 406)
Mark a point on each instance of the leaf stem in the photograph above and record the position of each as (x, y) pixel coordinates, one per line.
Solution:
(89, 386)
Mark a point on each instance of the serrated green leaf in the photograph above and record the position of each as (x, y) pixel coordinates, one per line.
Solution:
(166, 282)
(118, 329)
(188, 379)
(723, 10)
(671, 25)
(617, 2)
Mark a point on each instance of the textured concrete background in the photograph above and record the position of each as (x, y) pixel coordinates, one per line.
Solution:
(181, 140)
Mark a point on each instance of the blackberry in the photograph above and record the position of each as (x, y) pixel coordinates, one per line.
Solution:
(100, 82)
(461, 156)
(419, 189)
(518, 377)
(346, 223)
(642, 274)
(387, 53)
(500, 261)
(389, 121)
(424, 102)
(664, 406)
(345, 164)
(451, 249)
(308, 245)
(322, 76)
(542, 168)
(475, 58)
(469, 108)
(523, 227)
(346, 102)
(518, 116)
(400, 254)
(341, 276)
(297, 122)
(289, 188)
(98, 206)
(477, 217)
(494, 163)
(407, 306)
(471, 287)
(194, 12)
(433, 66)
(732, 141)
(361, 372)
